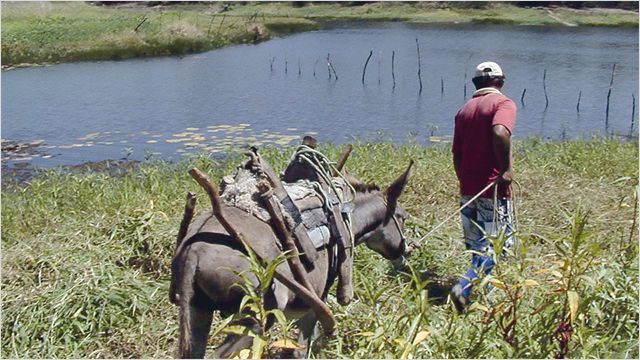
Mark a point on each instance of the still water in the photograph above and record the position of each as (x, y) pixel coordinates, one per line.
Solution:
(276, 91)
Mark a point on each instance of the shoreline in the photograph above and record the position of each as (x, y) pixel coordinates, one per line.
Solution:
(19, 174)
(83, 32)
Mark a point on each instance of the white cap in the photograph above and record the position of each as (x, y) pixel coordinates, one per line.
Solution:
(488, 69)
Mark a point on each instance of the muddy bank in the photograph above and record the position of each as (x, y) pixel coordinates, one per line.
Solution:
(17, 167)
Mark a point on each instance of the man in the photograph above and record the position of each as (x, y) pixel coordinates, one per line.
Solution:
(482, 156)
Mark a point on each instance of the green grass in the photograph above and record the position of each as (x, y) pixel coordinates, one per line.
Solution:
(85, 259)
(57, 32)
(41, 32)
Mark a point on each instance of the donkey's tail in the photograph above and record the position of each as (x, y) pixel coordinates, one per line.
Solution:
(185, 292)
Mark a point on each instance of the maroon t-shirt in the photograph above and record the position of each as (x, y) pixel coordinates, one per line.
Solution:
(472, 141)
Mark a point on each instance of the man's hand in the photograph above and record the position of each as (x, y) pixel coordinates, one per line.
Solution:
(506, 177)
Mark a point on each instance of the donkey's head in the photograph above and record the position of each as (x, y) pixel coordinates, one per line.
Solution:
(379, 218)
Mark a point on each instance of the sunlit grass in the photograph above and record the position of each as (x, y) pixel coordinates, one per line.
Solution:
(85, 258)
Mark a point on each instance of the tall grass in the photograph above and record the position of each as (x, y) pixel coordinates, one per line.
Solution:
(85, 260)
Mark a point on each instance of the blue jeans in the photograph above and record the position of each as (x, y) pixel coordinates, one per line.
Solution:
(483, 219)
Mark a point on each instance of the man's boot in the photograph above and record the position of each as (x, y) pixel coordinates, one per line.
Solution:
(461, 292)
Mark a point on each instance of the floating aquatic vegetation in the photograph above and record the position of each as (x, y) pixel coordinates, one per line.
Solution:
(212, 139)
(26, 158)
(89, 136)
(187, 133)
(440, 139)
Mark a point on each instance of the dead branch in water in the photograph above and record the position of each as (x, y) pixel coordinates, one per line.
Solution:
(633, 113)
(365, 66)
(331, 68)
(393, 73)
(544, 87)
(606, 119)
(379, 65)
(578, 104)
(419, 67)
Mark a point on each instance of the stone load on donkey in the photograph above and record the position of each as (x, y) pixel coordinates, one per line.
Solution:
(317, 215)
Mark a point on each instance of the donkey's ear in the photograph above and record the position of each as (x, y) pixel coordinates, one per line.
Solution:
(394, 190)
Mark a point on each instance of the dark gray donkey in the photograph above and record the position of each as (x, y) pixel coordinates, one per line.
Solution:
(207, 263)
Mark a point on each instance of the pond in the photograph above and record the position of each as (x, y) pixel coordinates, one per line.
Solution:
(274, 92)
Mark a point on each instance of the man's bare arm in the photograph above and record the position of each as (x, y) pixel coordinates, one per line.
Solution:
(502, 152)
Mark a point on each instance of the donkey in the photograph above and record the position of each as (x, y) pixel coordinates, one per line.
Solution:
(206, 268)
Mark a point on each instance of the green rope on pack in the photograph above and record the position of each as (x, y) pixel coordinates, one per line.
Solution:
(324, 168)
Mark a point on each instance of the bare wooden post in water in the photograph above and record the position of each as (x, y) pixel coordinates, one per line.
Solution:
(393, 73)
(379, 65)
(633, 113)
(544, 87)
(364, 70)
(578, 104)
(606, 119)
(331, 68)
(419, 68)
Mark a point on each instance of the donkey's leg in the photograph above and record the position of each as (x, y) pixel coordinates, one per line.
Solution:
(200, 325)
(195, 311)
(308, 325)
